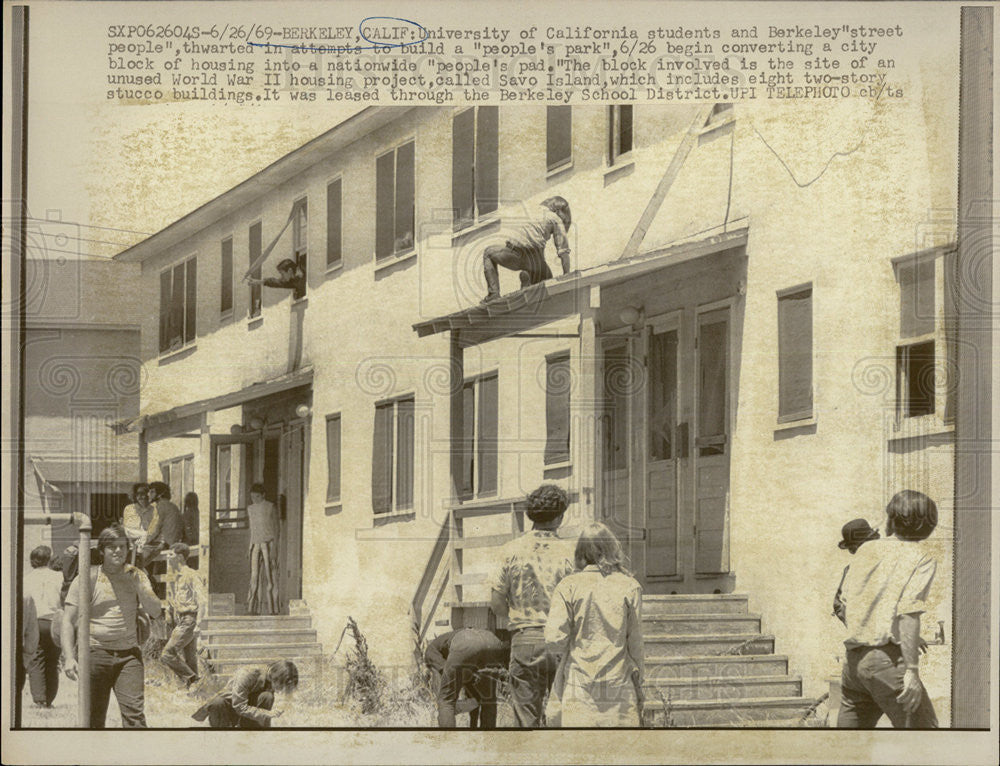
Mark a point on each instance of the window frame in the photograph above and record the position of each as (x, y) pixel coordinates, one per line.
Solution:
(460, 224)
(615, 156)
(557, 457)
(474, 449)
(395, 507)
(186, 462)
(338, 262)
(224, 312)
(187, 311)
(335, 498)
(300, 240)
(411, 248)
(808, 414)
(256, 290)
(560, 164)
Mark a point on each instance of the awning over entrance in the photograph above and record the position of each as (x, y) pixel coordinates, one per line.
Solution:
(255, 391)
(55, 474)
(566, 295)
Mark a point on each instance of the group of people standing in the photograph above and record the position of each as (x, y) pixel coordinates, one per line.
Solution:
(154, 523)
(574, 634)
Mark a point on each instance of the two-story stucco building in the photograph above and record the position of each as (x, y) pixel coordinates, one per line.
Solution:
(751, 349)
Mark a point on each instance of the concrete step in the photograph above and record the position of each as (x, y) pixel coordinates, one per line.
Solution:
(309, 666)
(273, 636)
(694, 603)
(692, 624)
(717, 644)
(221, 604)
(271, 652)
(723, 688)
(256, 622)
(767, 712)
(733, 666)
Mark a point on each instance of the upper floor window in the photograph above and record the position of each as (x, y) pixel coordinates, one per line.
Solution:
(558, 136)
(300, 241)
(226, 289)
(333, 458)
(479, 454)
(334, 229)
(475, 167)
(255, 250)
(178, 305)
(795, 353)
(394, 189)
(619, 132)
(392, 456)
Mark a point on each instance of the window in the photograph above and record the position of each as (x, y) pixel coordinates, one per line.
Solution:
(795, 352)
(178, 305)
(333, 223)
(558, 382)
(178, 474)
(619, 132)
(713, 383)
(226, 292)
(479, 458)
(559, 136)
(392, 456)
(256, 246)
(333, 458)
(394, 188)
(300, 240)
(474, 164)
(915, 353)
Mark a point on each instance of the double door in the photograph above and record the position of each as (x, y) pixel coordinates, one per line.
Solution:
(666, 448)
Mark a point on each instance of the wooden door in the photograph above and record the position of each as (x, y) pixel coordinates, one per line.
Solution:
(234, 466)
(615, 436)
(292, 481)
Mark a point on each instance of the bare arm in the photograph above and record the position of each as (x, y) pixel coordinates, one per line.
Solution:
(498, 603)
(909, 644)
(68, 637)
(147, 597)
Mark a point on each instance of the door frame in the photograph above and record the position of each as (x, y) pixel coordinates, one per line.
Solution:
(248, 477)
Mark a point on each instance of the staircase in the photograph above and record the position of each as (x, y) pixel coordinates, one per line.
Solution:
(232, 641)
(707, 664)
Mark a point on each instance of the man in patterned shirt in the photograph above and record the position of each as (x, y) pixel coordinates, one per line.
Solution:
(531, 567)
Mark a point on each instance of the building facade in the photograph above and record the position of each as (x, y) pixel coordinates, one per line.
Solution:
(751, 348)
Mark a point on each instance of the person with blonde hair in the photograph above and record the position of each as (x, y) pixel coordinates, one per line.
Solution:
(595, 623)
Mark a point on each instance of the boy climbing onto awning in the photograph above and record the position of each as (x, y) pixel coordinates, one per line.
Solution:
(524, 250)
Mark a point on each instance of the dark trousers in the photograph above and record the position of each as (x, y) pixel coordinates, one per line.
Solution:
(469, 651)
(222, 714)
(531, 264)
(120, 670)
(180, 653)
(532, 670)
(871, 680)
(43, 667)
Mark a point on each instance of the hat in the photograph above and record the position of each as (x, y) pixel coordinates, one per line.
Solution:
(855, 532)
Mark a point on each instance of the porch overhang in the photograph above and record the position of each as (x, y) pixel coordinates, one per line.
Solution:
(564, 296)
(255, 391)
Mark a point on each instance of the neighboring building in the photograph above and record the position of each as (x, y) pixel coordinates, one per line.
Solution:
(82, 375)
(751, 350)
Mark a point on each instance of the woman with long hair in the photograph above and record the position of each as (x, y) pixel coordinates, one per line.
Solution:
(595, 623)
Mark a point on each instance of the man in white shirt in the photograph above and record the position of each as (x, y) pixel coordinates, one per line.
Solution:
(884, 594)
(42, 585)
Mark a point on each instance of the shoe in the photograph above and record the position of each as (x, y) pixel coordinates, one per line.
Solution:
(191, 682)
(490, 297)
(525, 279)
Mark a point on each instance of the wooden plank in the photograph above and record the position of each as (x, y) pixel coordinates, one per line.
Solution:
(484, 541)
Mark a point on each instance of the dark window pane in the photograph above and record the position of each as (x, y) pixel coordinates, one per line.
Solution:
(712, 385)
(176, 328)
(488, 391)
(662, 394)
(795, 356)
(404, 198)
(468, 437)
(191, 301)
(333, 459)
(404, 453)
(920, 385)
(384, 204)
(255, 249)
(462, 159)
(624, 129)
(333, 223)
(557, 390)
(617, 377)
(165, 297)
(559, 136)
(487, 149)
(226, 293)
(382, 459)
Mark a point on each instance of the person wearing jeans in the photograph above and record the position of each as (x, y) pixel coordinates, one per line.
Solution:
(884, 595)
(457, 657)
(187, 602)
(530, 568)
(117, 591)
(43, 585)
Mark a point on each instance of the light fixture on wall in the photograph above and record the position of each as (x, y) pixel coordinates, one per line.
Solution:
(303, 411)
(632, 316)
(256, 423)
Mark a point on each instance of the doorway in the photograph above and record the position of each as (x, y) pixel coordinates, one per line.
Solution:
(666, 447)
